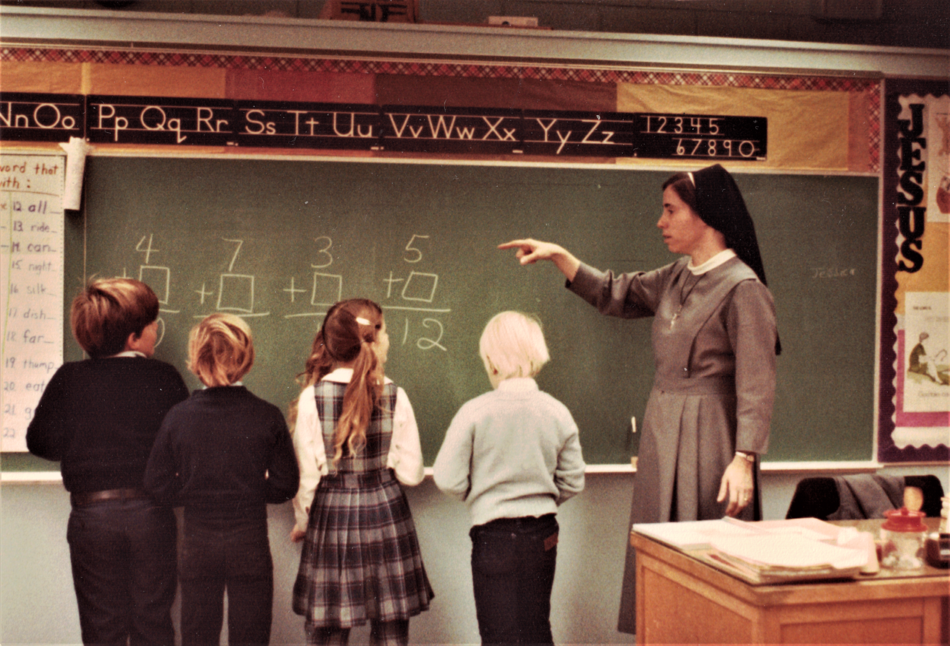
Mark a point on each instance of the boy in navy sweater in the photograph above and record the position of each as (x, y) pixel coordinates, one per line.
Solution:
(224, 454)
(99, 418)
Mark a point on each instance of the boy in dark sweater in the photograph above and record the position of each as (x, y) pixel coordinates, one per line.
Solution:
(224, 454)
(99, 418)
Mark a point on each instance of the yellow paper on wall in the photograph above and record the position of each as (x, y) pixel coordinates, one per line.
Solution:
(145, 80)
(806, 130)
(42, 78)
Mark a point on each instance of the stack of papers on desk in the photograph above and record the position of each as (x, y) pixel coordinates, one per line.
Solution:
(694, 534)
(791, 557)
(764, 551)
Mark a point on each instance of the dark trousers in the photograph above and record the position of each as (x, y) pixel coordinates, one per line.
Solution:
(513, 561)
(233, 556)
(123, 562)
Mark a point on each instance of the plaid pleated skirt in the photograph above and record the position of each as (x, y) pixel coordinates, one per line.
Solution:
(361, 559)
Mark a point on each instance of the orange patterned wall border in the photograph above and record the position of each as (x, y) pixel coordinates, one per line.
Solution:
(865, 91)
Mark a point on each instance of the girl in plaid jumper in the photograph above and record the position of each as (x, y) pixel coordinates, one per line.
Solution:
(356, 440)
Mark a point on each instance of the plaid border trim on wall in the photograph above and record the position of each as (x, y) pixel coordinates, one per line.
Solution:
(871, 87)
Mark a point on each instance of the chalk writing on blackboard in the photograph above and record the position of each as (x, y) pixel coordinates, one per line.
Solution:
(159, 279)
(833, 272)
(147, 250)
(418, 289)
(408, 288)
(326, 289)
(155, 276)
(236, 291)
(31, 296)
(325, 244)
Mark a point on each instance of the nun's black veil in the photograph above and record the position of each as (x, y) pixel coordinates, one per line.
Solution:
(719, 204)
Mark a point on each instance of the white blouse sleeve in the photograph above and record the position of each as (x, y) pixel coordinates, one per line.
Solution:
(311, 455)
(405, 449)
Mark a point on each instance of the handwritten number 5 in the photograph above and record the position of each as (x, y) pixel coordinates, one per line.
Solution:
(417, 254)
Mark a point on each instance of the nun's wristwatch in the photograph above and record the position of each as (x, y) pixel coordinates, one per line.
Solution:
(746, 456)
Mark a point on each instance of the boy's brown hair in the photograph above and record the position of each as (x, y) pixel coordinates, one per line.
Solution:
(220, 349)
(110, 309)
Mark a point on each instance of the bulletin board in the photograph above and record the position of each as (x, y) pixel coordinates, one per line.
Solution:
(914, 415)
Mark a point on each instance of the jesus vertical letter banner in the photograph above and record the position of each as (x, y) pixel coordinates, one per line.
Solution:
(914, 415)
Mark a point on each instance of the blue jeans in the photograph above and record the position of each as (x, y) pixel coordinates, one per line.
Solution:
(513, 561)
(123, 562)
(232, 555)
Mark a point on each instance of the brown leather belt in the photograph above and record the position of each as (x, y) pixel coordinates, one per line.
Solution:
(91, 497)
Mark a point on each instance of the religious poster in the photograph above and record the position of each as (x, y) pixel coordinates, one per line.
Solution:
(914, 416)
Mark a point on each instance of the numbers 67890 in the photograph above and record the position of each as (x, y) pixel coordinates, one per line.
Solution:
(715, 147)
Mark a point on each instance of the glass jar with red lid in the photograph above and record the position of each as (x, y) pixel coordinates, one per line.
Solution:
(902, 536)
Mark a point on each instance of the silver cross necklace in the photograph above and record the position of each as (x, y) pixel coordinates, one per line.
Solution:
(684, 294)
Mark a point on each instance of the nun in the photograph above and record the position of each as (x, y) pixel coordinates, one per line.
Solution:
(715, 342)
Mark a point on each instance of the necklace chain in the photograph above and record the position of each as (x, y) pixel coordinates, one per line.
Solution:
(684, 295)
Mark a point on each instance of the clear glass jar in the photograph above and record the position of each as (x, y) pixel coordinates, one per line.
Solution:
(902, 536)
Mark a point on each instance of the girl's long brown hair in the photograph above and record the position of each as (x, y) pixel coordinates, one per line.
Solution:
(347, 336)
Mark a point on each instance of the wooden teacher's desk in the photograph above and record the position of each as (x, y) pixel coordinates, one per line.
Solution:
(683, 597)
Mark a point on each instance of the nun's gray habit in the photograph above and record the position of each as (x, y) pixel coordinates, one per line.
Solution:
(714, 343)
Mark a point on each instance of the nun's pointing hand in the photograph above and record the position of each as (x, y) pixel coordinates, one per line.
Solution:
(530, 251)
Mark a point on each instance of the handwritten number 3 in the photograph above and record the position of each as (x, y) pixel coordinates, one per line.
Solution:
(325, 251)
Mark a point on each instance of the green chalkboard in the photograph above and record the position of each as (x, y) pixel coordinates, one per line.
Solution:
(277, 241)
